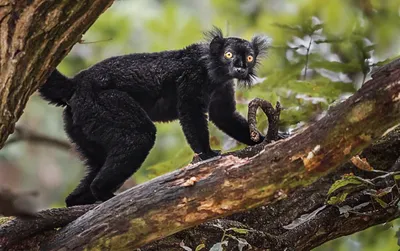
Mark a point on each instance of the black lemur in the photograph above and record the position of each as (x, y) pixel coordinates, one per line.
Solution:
(110, 107)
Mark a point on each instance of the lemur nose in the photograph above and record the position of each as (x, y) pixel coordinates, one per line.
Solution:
(240, 70)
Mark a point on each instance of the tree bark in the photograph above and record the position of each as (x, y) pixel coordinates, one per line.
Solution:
(226, 185)
(35, 36)
(265, 223)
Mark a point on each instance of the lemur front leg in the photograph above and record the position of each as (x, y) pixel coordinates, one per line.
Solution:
(224, 115)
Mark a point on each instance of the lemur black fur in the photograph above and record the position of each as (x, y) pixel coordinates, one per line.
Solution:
(110, 107)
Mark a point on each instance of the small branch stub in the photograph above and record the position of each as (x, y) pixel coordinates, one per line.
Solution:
(273, 119)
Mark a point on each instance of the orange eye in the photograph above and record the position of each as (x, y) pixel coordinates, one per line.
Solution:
(250, 58)
(228, 54)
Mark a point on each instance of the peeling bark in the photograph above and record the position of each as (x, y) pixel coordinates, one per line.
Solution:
(34, 38)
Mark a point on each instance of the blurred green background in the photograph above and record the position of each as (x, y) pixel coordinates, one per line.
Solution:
(321, 52)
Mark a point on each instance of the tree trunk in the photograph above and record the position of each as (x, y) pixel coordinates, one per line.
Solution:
(35, 36)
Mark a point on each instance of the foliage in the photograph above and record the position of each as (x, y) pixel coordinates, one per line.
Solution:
(321, 52)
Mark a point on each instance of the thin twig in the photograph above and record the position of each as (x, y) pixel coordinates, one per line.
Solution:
(23, 134)
(307, 56)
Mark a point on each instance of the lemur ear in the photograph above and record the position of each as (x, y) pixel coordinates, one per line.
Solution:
(216, 39)
(260, 44)
(216, 45)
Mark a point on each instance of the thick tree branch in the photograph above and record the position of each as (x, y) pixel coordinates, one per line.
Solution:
(14, 231)
(35, 36)
(227, 185)
(266, 223)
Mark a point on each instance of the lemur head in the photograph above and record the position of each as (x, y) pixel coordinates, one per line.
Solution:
(233, 57)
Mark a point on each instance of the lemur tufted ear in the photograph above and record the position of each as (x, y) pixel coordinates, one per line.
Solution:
(260, 44)
(216, 39)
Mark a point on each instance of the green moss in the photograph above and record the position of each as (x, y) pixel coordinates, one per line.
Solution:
(361, 111)
(123, 240)
(4, 220)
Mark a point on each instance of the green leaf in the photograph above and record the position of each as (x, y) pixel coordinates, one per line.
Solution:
(239, 230)
(349, 180)
(381, 202)
(334, 200)
(317, 27)
(289, 27)
(350, 67)
(386, 61)
(200, 247)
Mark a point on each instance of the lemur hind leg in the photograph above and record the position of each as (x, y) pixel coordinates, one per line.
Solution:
(127, 134)
(94, 157)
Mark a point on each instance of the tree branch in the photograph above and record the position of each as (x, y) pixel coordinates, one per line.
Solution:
(13, 231)
(265, 223)
(273, 119)
(226, 185)
(24, 134)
